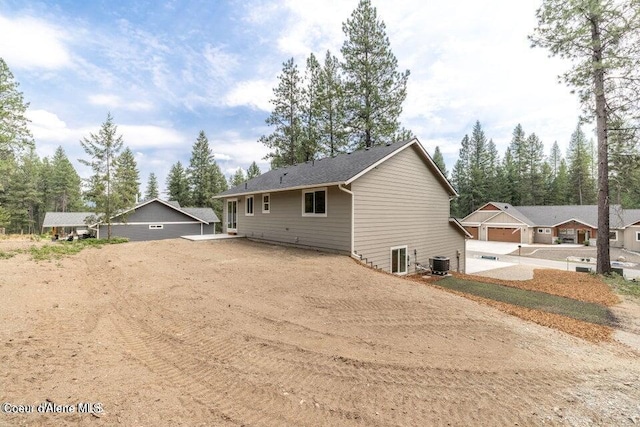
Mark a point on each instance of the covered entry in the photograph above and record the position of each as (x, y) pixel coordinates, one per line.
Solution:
(503, 234)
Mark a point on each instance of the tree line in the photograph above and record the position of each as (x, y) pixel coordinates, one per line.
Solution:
(339, 104)
(524, 175)
(30, 186)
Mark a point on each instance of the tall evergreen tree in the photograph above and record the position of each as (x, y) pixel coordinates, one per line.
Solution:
(237, 178)
(152, 192)
(23, 197)
(284, 141)
(178, 184)
(601, 39)
(65, 185)
(439, 161)
(581, 182)
(333, 136)
(253, 171)
(375, 90)
(310, 111)
(560, 186)
(127, 181)
(624, 165)
(479, 165)
(494, 173)
(533, 190)
(555, 157)
(103, 149)
(517, 149)
(200, 172)
(14, 132)
(461, 180)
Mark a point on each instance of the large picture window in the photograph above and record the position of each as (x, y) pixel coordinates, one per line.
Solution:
(314, 202)
(399, 260)
(249, 206)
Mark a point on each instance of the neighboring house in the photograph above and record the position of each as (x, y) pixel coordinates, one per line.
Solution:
(157, 219)
(60, 222)
(496, 221)
(153, 219)
(387, 206)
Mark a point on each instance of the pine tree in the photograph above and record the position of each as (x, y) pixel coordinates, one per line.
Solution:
(65, 183)
(479, 164)
(461, 180)
(200, 172)
(494, 173)
(151, 191)
(624, 165)
(253, 171)
(581, 182)
(238, 178)
(178, 184)
(333, 136)
(601, 40)
(375, 90)
(310, 111)
(560, 186)
(533, 190)
(126, 185)
(555, 158)
(517, 149)
(103, 150)
(23, 198)
(284, 141)
(14, 132)
(439, 161)
(509, 171)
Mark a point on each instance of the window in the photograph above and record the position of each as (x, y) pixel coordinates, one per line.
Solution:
(249, 206)
(540, 230)
(314, 202)
(637, 236)
(266, 203)
(156, 226)
(399, 260)
(547, 231)
(613, 235)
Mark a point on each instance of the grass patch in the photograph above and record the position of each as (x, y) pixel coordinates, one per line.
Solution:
(622, 286)
(7, 255)
(63, 248)
(579, 310)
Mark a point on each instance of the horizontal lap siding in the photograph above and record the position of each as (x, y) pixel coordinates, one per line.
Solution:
(156, 212)
(285, 223)
(480, 216)
(630, 241)
(141, 232)
(503, 218)
(401, 202)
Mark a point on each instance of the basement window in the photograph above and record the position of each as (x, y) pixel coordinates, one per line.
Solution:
(314, 202)
(399, 260)
(156, 226)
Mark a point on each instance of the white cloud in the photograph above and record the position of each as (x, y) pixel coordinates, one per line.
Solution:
(252, 93)
(114, 102)
(151, 136)
(221, 156)
(231, 147)
(31, 43)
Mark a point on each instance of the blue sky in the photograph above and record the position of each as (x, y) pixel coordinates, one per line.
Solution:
(166, 70)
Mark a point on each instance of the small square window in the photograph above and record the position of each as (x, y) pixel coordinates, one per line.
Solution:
(637, 236)
(156, 226)
(266, 203)
(249, 206)
(613, 235)
(540, 230)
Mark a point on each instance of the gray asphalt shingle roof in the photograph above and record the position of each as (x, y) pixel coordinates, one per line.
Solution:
(65, 219)
(329, 170)
(205, 214)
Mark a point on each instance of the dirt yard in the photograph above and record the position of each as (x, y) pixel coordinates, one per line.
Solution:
(234, 333)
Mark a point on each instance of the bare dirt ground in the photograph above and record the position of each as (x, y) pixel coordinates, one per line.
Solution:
(236, 333)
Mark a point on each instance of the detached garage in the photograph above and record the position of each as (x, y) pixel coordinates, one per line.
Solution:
(504, 234)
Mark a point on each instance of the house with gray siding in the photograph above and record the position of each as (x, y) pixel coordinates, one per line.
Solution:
(157, 219)
(387, 206)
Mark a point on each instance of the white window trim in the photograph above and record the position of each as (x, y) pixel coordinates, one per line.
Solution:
(540, 230)
(326, 202)
(226, 211)
(156, 226)
(246, 205)
(616, 239)
(637, 236)
(266, 211)
(547, 231)
(406, 264)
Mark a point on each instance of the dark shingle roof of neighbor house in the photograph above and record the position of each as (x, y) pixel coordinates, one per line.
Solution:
(65, 219)
(330, 170)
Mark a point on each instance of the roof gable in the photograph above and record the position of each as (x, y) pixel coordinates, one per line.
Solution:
(341, 169)
(168, 205)
(65, 219)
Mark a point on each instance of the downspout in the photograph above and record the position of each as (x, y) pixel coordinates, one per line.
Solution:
(353, 203)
